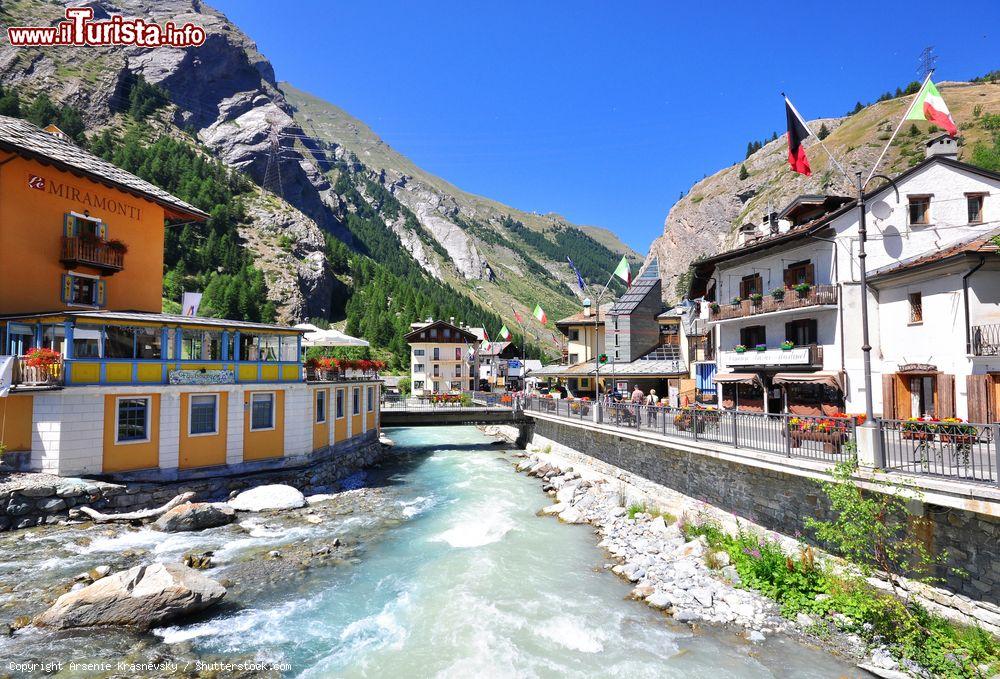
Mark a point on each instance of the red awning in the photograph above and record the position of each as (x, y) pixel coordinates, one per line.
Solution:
(736, 378)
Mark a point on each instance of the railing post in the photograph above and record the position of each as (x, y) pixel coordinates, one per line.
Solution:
(666, 412)
(736, 424)
(787, 431)
(996, 453)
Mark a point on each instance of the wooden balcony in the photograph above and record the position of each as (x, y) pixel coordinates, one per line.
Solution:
(94, 253)
(818, 295)
(40, 376)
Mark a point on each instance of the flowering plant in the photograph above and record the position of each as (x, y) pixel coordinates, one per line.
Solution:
(740, 348)
(39, 357)
(761, 347)
(736, 301)
(778, 293)
(714, 307)
(787, 344)
(802, 288)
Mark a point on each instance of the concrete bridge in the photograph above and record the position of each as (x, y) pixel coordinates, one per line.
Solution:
(418, 413)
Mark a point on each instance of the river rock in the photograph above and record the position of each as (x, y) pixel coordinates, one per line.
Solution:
(140, 597)
(557, 508)
(572, 515)
(262, 498)
(660, 600)
(195, 516)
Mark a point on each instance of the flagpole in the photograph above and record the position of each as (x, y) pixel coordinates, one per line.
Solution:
(899, 126)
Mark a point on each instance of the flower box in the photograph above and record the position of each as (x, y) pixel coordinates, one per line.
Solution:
(959, 439)
(913, 435)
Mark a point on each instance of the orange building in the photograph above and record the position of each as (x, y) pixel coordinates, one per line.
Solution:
(124, 387)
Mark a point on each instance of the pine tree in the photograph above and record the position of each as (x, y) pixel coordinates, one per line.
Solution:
(743, 172)
(824, 132)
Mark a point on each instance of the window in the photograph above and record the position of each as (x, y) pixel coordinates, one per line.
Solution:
(261, 411)
(920, 208)
(202, 345)
(270, 347)
(289, 349)
(132, 420)
(86, 342)
(418, 367)
(447, 332)
(371, 399)
(53, 337)
(148, 343)
(802, 331)
(83, 290)
(356, 401)
(418, 384)
(922, 390)
(750, 285)
(340, 403)
(321, 406)
(437, 353)
(458, 370)
(22, 338)
(574, 335)
(800, 272)
(753, 335)
(203, 416)
(574, 358)
(434, 333)
(975, 203)
(916, 308)
(458, 353)
(418, 352)
(437, 370)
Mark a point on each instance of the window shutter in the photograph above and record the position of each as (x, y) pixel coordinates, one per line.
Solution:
(69, 225)
(810, 273)
(102, 231)
(945, 395)
(101, 293)
(758, 284)
(789, 276)
(903, 397)
(888, 396)
(977, 387)
(66, 293)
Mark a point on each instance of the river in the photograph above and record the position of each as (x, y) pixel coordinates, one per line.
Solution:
(464, 580)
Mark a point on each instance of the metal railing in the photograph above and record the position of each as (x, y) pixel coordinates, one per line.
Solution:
(956, 450)
(92, 252)
(817, 294)
(817, 438)
(985, 340)
(463, 401)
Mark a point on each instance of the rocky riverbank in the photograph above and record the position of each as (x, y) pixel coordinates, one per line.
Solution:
(685, 579)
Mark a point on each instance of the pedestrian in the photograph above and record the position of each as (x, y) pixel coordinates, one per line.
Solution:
(651, 403)
(637, 397)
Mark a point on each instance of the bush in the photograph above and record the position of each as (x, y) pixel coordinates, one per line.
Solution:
(405, 384)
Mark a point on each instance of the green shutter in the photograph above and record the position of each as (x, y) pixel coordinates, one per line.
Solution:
(101, 293)
(67, 288)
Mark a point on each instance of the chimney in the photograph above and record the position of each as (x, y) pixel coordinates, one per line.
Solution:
(941, 145)
(451, 320)
(586, 308)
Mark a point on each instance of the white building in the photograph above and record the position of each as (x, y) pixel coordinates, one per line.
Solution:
(796, 280)
(444, 358)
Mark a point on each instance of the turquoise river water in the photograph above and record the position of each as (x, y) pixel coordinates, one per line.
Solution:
(470, 583)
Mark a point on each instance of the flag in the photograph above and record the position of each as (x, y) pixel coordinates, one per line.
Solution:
(930, 106)
(517, 316)
(539, 313)
(504, 332)
(797, 133)
(6, 374)
(579, 278)
(623, 271)
(190, 303)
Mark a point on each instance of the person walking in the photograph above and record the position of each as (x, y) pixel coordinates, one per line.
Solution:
(637, 397)
(651, 407)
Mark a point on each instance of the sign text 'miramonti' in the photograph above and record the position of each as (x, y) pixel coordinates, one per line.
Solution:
(93, 200)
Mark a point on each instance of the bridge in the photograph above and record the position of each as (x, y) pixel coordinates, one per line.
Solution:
(464, 409)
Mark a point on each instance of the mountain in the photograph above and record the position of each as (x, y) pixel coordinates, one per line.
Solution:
(704, 221)
(333, 216)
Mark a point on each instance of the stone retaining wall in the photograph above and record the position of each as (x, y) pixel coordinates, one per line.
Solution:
(49, 499)
(779, 501)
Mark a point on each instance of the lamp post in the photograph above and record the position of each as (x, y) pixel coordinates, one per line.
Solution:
(866, 347)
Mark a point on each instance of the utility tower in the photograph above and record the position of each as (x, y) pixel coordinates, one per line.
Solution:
(272, 173)
(927, 62)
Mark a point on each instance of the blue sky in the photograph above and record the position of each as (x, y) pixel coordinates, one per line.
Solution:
(602, 112)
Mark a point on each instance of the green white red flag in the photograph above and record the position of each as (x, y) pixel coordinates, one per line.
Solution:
(623, 271)
(929, 105)
(539, 313)
(504, 333)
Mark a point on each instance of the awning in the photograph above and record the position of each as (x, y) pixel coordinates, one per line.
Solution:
(824, 377)
(737, 378)
(317, 337)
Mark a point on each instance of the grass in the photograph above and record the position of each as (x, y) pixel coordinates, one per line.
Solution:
(800, 584)
(637, 508)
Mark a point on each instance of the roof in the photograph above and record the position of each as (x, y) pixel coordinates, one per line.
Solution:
(976, 244)
(558, 370)
(811, 201)
(148, 317)
(581, 319)
(493, 348)
(647, 282)
(21, 137)
(415, 334)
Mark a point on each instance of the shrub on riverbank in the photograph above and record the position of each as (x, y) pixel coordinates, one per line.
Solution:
(800, 584)
(641, 508)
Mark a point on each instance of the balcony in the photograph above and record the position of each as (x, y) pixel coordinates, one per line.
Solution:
(817, 295)
(985, 340)
(37, 376)
(806, 355)
(99, 254)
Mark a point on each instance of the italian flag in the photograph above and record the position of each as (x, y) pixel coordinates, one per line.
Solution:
(504, 332)
(539, 313)
(623, 271)
(930, 106)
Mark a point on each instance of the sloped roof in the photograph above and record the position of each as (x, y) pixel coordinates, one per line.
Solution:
(648, 282)
(150, 317)
(580, 319)
(979, 243)
(415, 334)
(21, 137)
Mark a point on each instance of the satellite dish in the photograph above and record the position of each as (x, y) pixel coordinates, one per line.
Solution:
(881, 209)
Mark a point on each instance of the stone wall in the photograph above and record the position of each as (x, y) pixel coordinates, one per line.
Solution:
(40, 498)
(779, 501)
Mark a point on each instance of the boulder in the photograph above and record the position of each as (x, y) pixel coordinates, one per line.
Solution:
(262, 498)
(195, 516)
(140, 597)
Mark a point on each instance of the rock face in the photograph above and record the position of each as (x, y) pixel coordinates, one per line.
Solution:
(195, 516)
(140, 597)
(263, 498)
